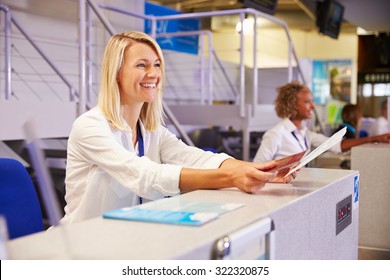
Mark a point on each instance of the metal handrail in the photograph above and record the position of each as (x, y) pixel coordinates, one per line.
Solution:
(8, 71)
(210, 61)
(242, 13)
(219, 62)
(111, 31)
(154, 19)
(8, 80)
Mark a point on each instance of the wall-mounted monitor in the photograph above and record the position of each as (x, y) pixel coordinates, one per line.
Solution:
(329, 15)
(265, 6)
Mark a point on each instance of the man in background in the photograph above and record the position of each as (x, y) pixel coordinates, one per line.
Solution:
(381, 124)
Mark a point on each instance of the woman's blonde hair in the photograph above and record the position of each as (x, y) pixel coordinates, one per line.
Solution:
(286, 101)
(152, 114)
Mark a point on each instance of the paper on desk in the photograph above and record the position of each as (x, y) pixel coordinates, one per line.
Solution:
(173, 211)
(333, 140)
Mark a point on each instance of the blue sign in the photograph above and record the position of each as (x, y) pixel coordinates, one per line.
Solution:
(320, 82)
(188, 44)
(331, 79)
(356, 189)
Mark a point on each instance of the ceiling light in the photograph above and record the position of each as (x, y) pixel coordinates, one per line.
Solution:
(248, 26)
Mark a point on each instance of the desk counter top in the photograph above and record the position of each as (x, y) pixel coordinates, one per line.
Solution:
(101, 238)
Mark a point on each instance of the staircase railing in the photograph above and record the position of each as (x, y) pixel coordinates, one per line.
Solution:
(202, 33)
(9, 20)
(203, 84)
(242, 13)
(83, 65)
(86, 7)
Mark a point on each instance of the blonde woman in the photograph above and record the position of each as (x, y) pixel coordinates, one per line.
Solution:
(121, 154)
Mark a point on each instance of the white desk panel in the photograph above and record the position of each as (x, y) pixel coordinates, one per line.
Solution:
(303, 214)
(373, 163)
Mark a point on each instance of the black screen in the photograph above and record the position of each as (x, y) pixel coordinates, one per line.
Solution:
(329, 17)
(265, 6)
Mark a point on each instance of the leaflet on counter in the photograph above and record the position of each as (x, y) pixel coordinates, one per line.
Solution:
(173, 211)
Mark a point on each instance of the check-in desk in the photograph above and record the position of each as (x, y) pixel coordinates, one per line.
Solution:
(315, 217)
(373, 163)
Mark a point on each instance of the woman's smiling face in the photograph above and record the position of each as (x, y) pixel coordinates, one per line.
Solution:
(304, 104)
(139, 76)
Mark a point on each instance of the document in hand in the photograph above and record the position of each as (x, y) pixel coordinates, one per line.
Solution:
(173, 211)
(333, 140)
(286, 162)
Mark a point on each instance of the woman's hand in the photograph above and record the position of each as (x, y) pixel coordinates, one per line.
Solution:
(280, 176)
(383, 138)
(250, 179)
(248, 176)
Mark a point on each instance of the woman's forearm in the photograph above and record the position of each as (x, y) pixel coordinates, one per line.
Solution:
(247, 176)
(195, 179)
(347, 144)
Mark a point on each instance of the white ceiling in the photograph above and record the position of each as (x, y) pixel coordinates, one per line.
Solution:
(372, 15)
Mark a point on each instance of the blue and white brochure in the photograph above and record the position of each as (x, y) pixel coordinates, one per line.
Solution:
(171, 211)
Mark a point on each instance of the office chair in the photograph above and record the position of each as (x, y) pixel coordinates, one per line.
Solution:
(18, 199)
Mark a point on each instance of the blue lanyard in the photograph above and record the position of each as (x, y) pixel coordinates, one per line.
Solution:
(295, 136)
(141, 151)
(349, 127)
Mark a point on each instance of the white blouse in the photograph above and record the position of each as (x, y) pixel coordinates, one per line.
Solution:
(103, 170)
(285, 139)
